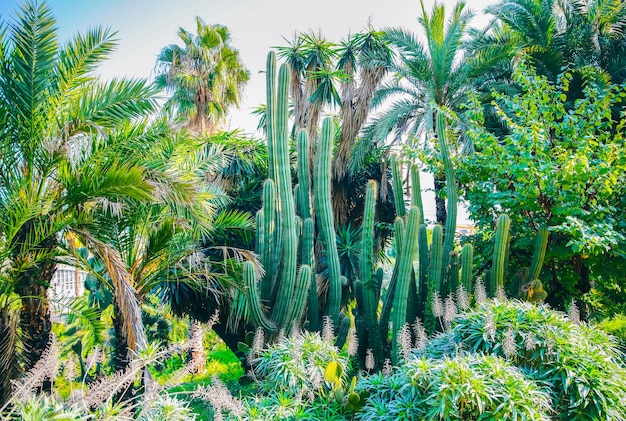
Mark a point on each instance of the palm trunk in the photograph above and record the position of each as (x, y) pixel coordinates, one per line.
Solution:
(35, 312)
(9, 365)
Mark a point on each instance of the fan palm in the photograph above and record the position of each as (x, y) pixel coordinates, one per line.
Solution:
(61, 160)
(205, 76)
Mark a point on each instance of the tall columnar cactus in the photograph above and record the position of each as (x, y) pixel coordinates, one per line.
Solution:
(405, 266)
(304, 175)
(324, 213)
(451, 191)
(435, 275)
(398, 193)
(541, 244)
(423, 270)
(416, 191)
(370, 286)
(467, 257)
(267, 248)
(500, 248)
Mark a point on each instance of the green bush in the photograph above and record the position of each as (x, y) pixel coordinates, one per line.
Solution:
(297, 363)
(579, 365)
(466, 387)
(291, 384)
(616, 327)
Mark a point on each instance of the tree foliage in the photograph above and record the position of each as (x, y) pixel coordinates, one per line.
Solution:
(560, 164)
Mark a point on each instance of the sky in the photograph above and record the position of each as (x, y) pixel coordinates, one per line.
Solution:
(144, 27)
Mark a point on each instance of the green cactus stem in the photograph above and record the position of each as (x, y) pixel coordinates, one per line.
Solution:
(304, 175)
(451, 191)
(416, 191)
(500, 247)
(434, 279)
(405, 263)
(324, 213)
(398, 193)
(467, 268)
(541, 244)
(256, 308)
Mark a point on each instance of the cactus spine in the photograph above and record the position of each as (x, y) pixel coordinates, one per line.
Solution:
(500, 248)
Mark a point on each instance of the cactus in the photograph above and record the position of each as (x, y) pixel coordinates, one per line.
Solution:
(434, 278)
(304, 175)
(467, 257)
(308, 258)
(369, 287)
(398, 194)
(405, 268)
(324, 212)
(416, 191)
(256, 309)
(500, 248)
(453, 275)
(541, 243)
(423, 270)
(451, 191)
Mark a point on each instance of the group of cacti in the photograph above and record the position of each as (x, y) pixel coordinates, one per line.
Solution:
(289, 294)
(286, 233)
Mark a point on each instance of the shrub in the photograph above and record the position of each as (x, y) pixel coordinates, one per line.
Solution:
(466, 387)
(580, 365)
(296, 364)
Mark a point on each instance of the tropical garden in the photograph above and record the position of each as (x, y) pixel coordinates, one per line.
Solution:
(292, 274)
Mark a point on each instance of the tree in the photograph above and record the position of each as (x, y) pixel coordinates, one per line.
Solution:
(553, 35)
(343, 77)
(160, 242)
(561, 166)
(60, 160)
(428, 78)
(205, 77)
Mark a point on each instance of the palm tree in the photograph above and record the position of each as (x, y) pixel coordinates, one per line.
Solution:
(205, 76)
(61, 160)
(159, 241)
(554, 34)
(428, 78)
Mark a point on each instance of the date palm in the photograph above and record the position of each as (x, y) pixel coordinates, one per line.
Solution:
(428, 77)
(205, 76)
(554, 35)
(61, 158)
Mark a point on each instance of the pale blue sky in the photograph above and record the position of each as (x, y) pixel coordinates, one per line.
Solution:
(145, 26)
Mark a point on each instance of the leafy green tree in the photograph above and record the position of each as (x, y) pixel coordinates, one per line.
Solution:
(60, 160)
(205, 76)
(559, 166)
